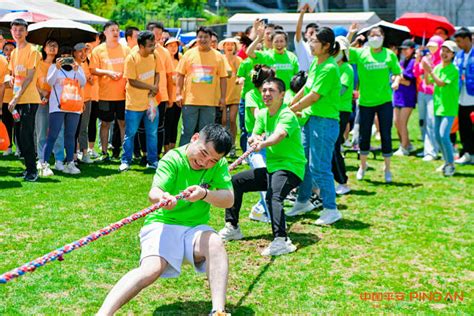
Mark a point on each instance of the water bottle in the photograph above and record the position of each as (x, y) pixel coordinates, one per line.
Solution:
(16, 116)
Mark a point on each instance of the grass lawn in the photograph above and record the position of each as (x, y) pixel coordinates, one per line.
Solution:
(411, 236)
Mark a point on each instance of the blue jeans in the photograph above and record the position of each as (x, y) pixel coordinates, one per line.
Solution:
(195, 116)
(443, 126)
(41, 130)
(306, 187)
(132, 122)
(323, 134)
(243, 132)
(427, 118)
(56, 121)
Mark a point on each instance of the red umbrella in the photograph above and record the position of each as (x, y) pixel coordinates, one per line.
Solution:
(30, 17)
(425, 24)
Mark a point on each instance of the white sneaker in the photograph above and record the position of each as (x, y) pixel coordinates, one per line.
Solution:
(59, 165)
(230, 233)
(465, 159)
(449, 170)
(71, 168)
(328, 217)
(300, 208)
(87, 159)
(361, 173)
(347, 143)
(401, 152)
(152, 166)
(124, 167)
(342, 189)
(258, 213)
(46, 170)
(279, 246)
(441, 168)
(8, 152)
(428, 158)
(388, 176)
(39, 166)
(93, 153)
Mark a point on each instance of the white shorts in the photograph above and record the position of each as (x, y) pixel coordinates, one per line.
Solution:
(174, 243)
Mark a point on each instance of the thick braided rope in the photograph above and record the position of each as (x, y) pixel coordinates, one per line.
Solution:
(58, 253)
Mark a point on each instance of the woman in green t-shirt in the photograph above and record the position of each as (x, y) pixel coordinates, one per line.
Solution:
(375, 64)
(445, 77)
(319, 100)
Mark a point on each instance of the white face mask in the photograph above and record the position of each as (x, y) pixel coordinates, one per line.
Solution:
(375, 41)
(338, 56)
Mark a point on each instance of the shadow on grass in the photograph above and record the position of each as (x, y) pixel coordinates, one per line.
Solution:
(395, 184)
(463, 175)
(301, 240)
(344, 223)
(361, 192)
(199, 308)
(10, 184)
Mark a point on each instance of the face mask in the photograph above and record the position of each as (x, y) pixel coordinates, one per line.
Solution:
(375, 41)
(67, 67)
(338, 56)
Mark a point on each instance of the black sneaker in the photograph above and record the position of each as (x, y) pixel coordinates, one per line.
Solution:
(31, 177)
(143, 161)
(105, 158)
(316, 200)
(21, 175)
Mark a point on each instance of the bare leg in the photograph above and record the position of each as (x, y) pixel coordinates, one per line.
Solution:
(363, 161)
(224, 116)
(404, 116)
(396, 118)
(209, 247)
(104, 135)
(386, 161)
(234, 108)
(132, 283)
(121, 124)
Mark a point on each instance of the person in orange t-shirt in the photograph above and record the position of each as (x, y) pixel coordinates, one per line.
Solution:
(107, 63)
(94, 90)
(173, 113)
(7, 117)
(229, 46)
(49, 53)
(200, 71)
(166, 79)
(142, 71)
(23, 64)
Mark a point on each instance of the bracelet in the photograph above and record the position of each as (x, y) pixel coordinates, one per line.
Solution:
(204, 195)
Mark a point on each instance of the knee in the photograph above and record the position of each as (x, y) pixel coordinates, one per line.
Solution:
(150, 272)
(216, 245)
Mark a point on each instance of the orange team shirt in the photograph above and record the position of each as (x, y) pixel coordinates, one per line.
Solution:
(42, 71)
(166, 68)
(3, 73)
(21, 61)
(110, 59)
(172, 97)
(87, 90)
(202, 71)
(228, 70)
(142, 69)
(233, 89)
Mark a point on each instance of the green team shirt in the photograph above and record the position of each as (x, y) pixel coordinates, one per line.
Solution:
(347, 80)
(324, 79)
(245, 71)
(374, 70)
(445, 99)
(253, 100)
(173, 175)
(286, 64)
(289, 153)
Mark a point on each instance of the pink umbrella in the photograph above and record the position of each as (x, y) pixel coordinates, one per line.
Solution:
(30, 17)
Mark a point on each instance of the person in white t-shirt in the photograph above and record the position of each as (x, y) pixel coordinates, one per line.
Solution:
(302, 50)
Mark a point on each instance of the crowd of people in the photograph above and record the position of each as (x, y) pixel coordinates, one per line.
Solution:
(296, 110)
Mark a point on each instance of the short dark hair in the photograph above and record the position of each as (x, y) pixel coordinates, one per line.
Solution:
(19, 22)
(49, 40)
(219, 136)
(66, 49)
(215, 34)
(376, 28)
(262, 73)
(312, 25)
(443, 29)
(280, 32)
(101, 37)
(110, 23)
(463, 32)
(279, 83)
(129, 31)
(279, 27)
(9, 43)
(155, 24)
(298, 81)
(270, 25)
(204, 29)
(144, 36)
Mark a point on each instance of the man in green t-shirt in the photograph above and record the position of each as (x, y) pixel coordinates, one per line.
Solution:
(283, 172)
(178, 231)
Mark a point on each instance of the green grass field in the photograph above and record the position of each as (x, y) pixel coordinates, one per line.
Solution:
(412, 236)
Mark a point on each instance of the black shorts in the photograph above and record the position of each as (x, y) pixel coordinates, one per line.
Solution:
(111, 110)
